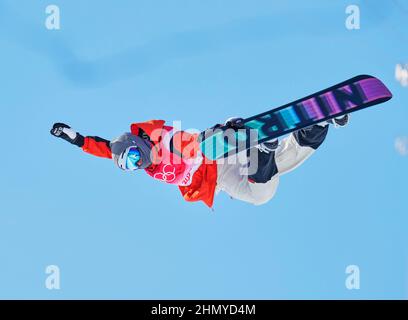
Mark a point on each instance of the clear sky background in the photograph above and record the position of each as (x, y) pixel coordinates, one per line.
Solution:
(120, 235)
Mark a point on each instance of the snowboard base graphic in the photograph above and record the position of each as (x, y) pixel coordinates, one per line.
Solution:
(349, 96)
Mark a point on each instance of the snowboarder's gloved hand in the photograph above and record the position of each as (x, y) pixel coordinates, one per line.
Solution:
(61, 130)
(235, 123)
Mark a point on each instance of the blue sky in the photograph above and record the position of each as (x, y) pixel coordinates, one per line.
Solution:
(118, 235)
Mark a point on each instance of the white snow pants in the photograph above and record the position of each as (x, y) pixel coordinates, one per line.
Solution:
(233, 180)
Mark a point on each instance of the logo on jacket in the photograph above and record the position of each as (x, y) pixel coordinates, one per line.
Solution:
(168, 174)
(186, 179)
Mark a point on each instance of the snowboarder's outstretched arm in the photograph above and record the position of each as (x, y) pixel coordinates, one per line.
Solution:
(94, 145)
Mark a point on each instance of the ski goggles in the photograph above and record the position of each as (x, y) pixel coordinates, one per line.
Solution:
(132, 158)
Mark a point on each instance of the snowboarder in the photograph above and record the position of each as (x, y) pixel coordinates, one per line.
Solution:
(165, 154)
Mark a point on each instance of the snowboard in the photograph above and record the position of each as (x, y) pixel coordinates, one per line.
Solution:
(357, 93)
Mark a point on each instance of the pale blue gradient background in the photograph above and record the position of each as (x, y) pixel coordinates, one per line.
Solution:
(118, 235)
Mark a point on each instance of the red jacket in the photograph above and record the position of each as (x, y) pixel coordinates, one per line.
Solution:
(204, 179)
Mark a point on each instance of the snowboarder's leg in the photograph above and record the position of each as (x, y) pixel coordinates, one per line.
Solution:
(259, 187)
(263, 156)
(299, 146)
(233, 179)
(293, 150)
(263, 192)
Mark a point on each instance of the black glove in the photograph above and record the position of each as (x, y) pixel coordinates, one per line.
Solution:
(235, 123)
(61, 130)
